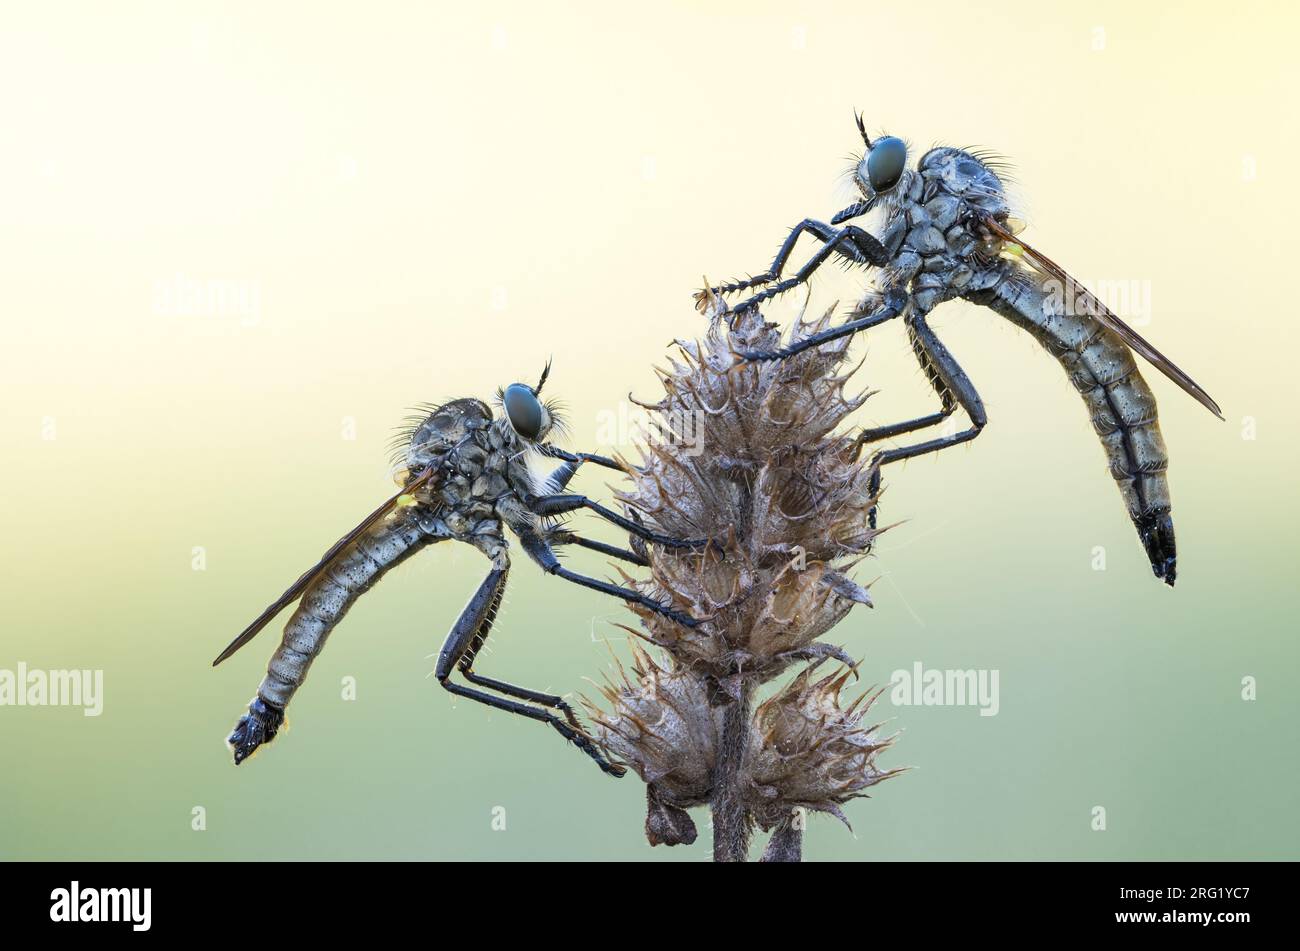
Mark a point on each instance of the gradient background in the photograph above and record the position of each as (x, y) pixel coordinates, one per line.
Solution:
(420, 202)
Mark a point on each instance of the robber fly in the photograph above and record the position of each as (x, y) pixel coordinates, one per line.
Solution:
(467, 479)
(947, 234)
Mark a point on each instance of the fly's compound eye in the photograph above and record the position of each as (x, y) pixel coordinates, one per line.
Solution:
(524, 410)
(886, 162)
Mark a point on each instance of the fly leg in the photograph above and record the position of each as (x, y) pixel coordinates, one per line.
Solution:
(559, 504)
(568, 538)
(557, 482)
(853, 211)
(950, 382)
(541, 552)
(574, 459)
(565, 471)
(464, 642)
(852, 242)
(892, 306)
(947, 404)
(954, 388)
(819, 229)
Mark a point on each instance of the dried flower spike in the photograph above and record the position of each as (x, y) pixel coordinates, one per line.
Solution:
(749, 452)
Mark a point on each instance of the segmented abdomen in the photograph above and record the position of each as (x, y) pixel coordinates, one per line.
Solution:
(327, 599)
(1102, 369)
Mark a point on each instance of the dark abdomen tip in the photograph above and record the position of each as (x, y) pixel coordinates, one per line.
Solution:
(1156, 529)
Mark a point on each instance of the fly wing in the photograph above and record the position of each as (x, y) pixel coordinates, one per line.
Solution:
(295, 591)
(1136, 341)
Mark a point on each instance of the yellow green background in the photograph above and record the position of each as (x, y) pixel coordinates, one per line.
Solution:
(427, 202)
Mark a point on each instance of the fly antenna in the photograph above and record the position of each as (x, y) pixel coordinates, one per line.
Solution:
(546, 371)
(862, 129)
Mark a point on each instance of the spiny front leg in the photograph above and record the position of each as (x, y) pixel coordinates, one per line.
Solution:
(560, 504)
(574, 460)
(821, 230)
(557, 481)
(851, 243)
(892, 306)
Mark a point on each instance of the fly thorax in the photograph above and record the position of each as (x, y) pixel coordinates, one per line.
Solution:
(932, 257)
(433, 440)
(511, 455)
(475, 475)
(961, 175)
(944, 245)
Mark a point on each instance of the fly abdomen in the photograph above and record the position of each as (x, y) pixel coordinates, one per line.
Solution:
(353, 572)
(324, 602)
(1120, 404)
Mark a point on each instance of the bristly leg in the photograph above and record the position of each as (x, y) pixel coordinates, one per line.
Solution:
(623, 554)
(577, 458)
(463, 643)
(562, 504)
(818, 229)
(860, 248)
(258, 726)
(892, 306)
(952, 385)
(851, 242)
(541, 552)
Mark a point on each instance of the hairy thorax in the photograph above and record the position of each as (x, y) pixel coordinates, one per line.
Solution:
(481, 466)
(932, 225)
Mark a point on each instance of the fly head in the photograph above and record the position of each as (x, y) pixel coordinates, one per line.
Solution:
(882, 167)
(530, 417)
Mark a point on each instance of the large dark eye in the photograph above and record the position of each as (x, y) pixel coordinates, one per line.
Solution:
(523, 409)
(885, 163)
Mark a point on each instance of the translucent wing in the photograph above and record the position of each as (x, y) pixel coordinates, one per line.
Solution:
(1130, 336)
(295, 591)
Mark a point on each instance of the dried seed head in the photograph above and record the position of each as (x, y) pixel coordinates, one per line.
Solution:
(762, 619)
(817, 502)
(666, 824)
(747, 453)
(809, 750)
(661, 723)
(745, 412)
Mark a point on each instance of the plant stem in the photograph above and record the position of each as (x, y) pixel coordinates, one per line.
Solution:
(731, 820)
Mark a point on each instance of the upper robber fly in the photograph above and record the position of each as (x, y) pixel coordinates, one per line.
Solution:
(948, 234)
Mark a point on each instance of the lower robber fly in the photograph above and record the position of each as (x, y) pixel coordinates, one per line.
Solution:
(469, 480)
(947, 234)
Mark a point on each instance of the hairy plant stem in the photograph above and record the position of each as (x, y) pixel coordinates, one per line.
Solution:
(732, 823)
